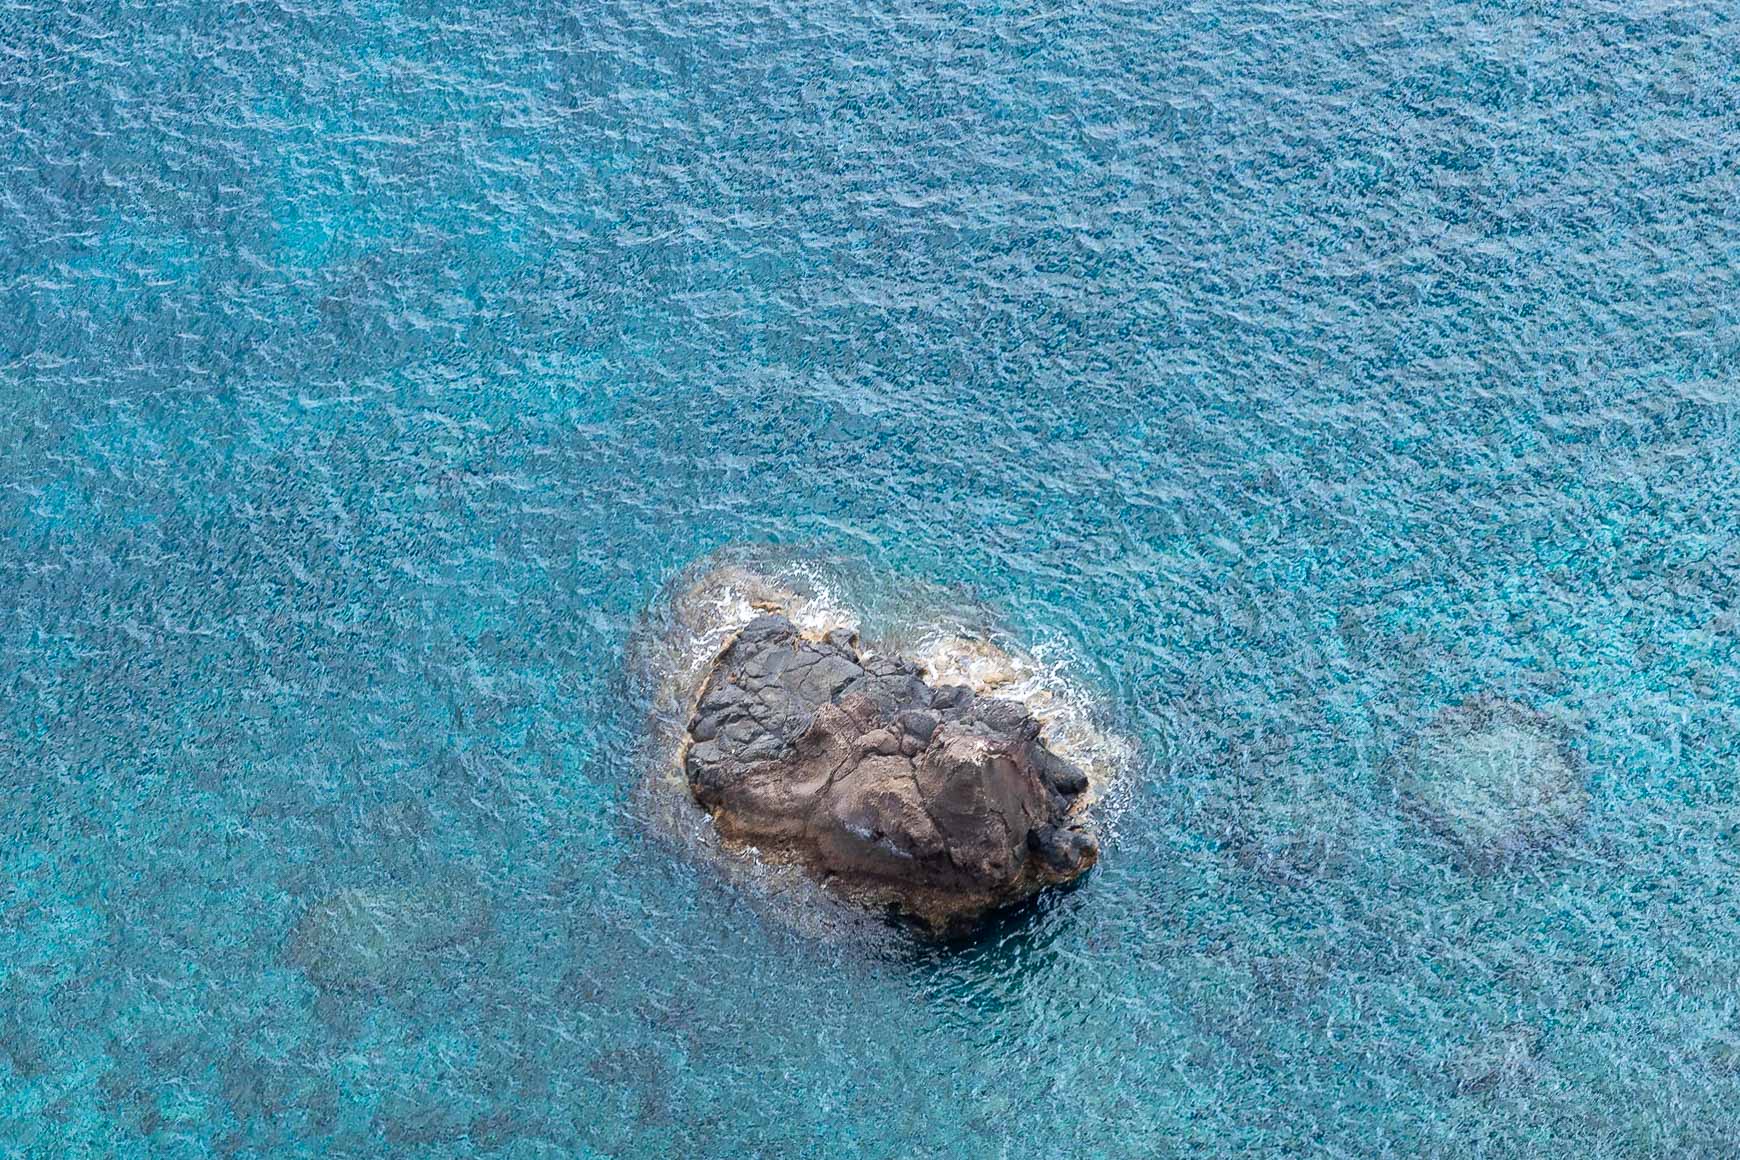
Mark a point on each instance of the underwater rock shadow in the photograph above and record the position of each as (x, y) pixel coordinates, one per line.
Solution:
(1496, 781)
(375, 940)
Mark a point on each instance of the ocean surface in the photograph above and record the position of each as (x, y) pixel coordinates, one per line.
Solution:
(1287, 371)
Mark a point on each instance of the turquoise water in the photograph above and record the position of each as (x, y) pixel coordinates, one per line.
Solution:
(1297, 369)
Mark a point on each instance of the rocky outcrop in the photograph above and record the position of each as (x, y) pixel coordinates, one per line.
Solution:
(933, 801)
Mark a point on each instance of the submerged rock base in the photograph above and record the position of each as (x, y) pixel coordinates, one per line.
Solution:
(1496, 778)
(372, 940)
(933, 801)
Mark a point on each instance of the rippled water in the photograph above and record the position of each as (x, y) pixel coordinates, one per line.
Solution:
(1298, 369)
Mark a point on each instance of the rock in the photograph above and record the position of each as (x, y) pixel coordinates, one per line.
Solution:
(368, 940)
(939, 803)
(1496, 778)
(1508, 1056)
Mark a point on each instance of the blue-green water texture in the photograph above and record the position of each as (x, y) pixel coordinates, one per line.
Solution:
(1295, 370)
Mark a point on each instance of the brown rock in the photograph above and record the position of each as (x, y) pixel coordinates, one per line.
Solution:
(936, 803)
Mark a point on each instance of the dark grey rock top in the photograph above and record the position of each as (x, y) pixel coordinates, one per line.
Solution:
(936, 802)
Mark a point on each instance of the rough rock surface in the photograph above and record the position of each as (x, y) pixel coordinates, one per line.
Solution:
(936, 802)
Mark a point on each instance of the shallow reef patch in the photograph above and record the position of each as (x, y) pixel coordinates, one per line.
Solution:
(1493, 777)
